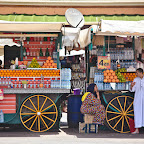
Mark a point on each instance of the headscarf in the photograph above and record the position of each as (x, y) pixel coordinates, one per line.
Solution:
(90, 88)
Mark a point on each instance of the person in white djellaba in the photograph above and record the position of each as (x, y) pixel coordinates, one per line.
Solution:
(137, 86)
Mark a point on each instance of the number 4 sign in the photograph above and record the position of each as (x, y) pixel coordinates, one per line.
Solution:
(104, 62)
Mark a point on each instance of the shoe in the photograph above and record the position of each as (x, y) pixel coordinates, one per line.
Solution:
(136, 131)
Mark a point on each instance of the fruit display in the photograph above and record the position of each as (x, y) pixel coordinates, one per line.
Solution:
(129, 76)
(49, 63)
(34, 64)
(30, 73)
(119, 74)
(110, 76)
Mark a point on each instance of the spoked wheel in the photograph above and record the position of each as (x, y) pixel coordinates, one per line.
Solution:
(118, 112)
(38, 113)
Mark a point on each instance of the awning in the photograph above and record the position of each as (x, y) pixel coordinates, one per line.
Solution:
(30, 26)
(72, 53)
(91, 19)
(115, 27)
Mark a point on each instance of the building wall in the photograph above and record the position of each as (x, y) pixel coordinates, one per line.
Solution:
(60, 10)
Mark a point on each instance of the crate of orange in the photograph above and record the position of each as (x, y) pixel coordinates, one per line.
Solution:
(110, 76)
(130, 76)
(30, 73)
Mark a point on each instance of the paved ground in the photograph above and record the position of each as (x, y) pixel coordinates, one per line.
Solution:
(67, 136)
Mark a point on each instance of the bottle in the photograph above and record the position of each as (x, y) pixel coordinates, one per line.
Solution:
(69, 74)
(47, 84)
(9, 82)
(118, 63)
(55, 84)
(2, 80)
(51, 83)
(27, 52)
(40, 53)
(1, 117)
(30, 83)
(6, 81)
(38, 83)
(15, 84)
(19, 85)
(24, 52)
(34, 83)
(47, 53)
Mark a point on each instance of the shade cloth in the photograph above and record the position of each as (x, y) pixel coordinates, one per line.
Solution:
(122, 27)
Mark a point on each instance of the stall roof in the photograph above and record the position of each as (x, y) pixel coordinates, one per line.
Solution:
(61, 18)
(73, 2)
(117, 27)
(7, 26)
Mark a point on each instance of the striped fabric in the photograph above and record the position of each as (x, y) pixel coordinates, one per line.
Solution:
(8, 104)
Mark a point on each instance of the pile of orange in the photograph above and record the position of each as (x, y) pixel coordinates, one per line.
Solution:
(30, 73)
(110, 76)
(129, 76)
(49, 63)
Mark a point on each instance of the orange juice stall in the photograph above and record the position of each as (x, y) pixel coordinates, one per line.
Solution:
(31, 80)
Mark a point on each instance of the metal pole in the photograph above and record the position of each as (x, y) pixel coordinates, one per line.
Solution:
(21, 51)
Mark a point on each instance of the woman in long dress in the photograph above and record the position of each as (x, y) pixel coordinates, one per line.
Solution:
(91, 104)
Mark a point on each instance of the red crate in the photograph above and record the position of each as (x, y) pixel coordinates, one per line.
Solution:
(8, 104)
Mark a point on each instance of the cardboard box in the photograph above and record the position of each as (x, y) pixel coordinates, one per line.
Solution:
(88, 118)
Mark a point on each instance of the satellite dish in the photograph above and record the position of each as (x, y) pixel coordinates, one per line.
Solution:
(74, 17)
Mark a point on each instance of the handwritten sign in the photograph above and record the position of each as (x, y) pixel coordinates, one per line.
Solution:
(1, 94)
(104, 62)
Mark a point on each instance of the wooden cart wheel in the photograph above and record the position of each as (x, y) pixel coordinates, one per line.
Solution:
(38, 113)
(118, 112)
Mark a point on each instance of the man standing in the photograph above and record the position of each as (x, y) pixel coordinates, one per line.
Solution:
(137, 86)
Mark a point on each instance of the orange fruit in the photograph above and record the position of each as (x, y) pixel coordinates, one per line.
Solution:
(117, 80)
(109, 74)
(105, 80)
(113, 80)
(115, 77)
(49, 64)
(47, 61)
(53, 64)
(109, 80)
(105, 74)
(113, 74)
(111, 77)
(107, 77)
(107, 71)
(111, 71)
(49, 58)
(51, 61)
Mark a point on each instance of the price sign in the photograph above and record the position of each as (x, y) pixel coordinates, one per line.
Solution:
(104, 62)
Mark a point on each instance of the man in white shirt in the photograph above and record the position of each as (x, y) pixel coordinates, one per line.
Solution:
(137, 86)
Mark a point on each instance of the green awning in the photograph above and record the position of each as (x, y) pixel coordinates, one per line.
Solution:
(59, 18)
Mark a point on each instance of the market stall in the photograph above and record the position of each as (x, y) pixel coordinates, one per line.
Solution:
(31, 82)
(113, 60)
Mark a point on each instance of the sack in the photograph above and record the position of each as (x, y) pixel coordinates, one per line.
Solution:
(132, 125)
